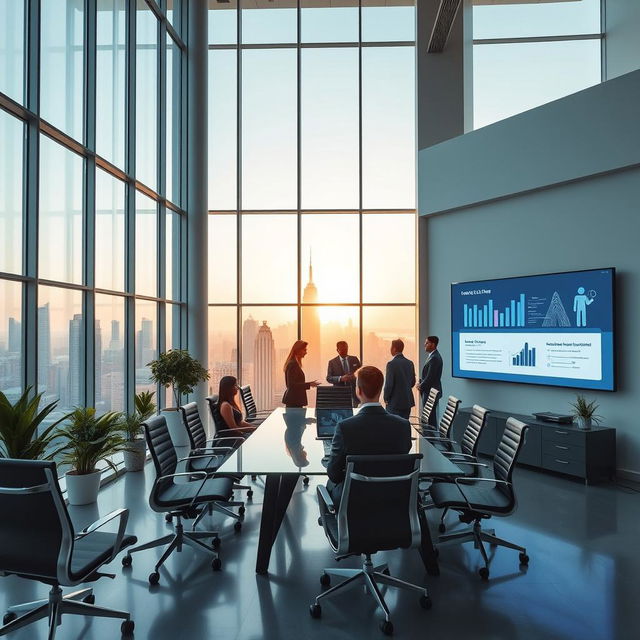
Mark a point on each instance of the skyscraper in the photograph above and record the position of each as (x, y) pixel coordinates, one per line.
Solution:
(75, 360)
(264, 359)
(310, 330)
(98, 363)
(114, 344)
(249, 333)
(14, 342)
(44, 347)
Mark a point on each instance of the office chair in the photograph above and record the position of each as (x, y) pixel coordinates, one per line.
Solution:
(442, 438)
(333, 397)
(476, 500)
(391, 483)
(423, 421)
(253, 415)
(192, 499)
(38, 542)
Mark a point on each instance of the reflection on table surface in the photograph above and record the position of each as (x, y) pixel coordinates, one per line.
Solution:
(286, 442)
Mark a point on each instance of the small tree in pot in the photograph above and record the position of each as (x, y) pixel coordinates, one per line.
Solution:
(135, 455)
(585, 412)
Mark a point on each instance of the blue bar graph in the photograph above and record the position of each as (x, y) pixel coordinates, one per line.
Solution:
(487, 315)
(526, 357)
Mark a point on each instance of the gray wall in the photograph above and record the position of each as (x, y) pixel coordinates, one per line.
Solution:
(622, 42)
(577, 197)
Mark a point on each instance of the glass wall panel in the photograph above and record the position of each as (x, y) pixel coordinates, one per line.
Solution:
(62, 65)
(388, 128)
(61, 210)
(173, 13)
(12, 49)
(173, 100)
(328, 23)
(330, 129)
(146, 245)
(223, 258)
(111, 80)
(277, 23)
(223, 22)
(269, 258)
(146, 96)
(223, 123)
(60, 344)
(392, 280)
(387, 23)
(172, 276)
(110, 369)
(11, 343)
(110, 235)
(223, 344)
(515, 77)
(330, 258)
(269, 118)
(11, 157)
(146, 343)
(268, 334)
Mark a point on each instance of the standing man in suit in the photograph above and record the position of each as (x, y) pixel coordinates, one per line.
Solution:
(431, 376)
(371, 431)
(341, 370)
(399, 381)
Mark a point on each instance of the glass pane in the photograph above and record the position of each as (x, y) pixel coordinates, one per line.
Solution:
(110, 236)
(269, 258)
(322, 328)
(223, 258)
(223, 345)
(172, 276)
(223, 123)
(269, 148)
(536, 19)
(223, 22)
(111, 80)
(61, 356)
(511, 78)
(275, 23)
(110, 355)
(174, 137)
(61, 210)
(387, 23)
(11, 154)
(146, 343)
(330, 129)
(146, 96)
(172, 322)
(173, 13)
(62, 65)
(330, 258)
(146, 245)
(388, 128)
(389, 280)
(266, 341)
(12, 49)
(328, 24)
(11, 351)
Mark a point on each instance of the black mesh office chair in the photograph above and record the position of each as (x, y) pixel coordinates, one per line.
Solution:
(253, 415)
(192, 499)
(333, 397)
(38, 542)
(422, 423)
(477, 499)
(390, 482)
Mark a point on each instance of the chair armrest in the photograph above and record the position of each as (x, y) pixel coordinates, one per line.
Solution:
(456, 454)
(236, 439)
(326, 498)
(473, 464)
(207, 455)
(460, 481)
(439, 439)
(189, 474)
(123, 514)
(212, 450)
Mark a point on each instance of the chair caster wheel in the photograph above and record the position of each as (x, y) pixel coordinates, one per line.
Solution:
(325, 580)
(442, 527)
(127, 627)
(154, 578)
(241, 511)
(90, 599)
(237, 527)
(216, 564)
(127, 560)
(168, 518)
(215, 543)
(249, 494)
(315, 610)
(524, 559)
(305, 481)
(484, 573)
(10, 616)
(425, 602)
(386, 627)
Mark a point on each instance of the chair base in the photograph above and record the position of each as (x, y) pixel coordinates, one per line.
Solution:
(58, 605)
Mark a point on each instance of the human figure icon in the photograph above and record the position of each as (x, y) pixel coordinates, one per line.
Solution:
(580, 304)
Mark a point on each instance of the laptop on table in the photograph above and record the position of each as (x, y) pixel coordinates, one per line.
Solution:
(327, 420)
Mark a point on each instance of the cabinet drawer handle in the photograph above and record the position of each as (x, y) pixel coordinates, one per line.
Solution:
(562, 433)
(559, 446)
(562, 461)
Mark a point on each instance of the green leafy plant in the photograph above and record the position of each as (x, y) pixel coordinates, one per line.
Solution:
(88, 439)
(586, 410)
(177, 369)
(145, 407)
(19, 424)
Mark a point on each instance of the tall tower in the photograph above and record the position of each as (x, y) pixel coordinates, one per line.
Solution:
(14, 343)
(44, 347)
(249, 333)
(75, 360)
(98, 363)
(264, 358)
(310, 330)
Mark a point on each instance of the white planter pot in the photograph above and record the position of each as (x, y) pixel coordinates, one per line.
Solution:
(82, 489)
(177, 431)
(135, 458)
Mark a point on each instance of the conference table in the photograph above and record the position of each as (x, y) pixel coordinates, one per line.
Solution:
(284, 447)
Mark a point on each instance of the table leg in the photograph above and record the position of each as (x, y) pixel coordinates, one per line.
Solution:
(427, 551)
(277, 495)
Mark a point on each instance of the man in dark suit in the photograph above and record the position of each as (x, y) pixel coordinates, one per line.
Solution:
(341, 370)
(399, 380)
(371, 431)
(431, 375)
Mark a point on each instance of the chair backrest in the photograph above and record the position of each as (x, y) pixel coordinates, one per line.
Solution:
(36, 535)
(330, 397)
(379, 506)
(193, 425)
(161, 447)
(248, 401)
(448, 417)
(214, 407)
(428, 405)
(471, 436)
(507, 454)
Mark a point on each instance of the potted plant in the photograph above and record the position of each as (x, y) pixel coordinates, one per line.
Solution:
(177, 369)
(19, 425)
(87, 440)
(585, 412)
(136, 454)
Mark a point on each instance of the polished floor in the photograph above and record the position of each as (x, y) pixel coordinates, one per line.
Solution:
(582, 581)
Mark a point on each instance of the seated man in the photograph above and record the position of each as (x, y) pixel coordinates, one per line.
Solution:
(372, 431)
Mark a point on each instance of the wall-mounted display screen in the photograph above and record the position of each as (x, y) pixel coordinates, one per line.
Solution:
(553, 329)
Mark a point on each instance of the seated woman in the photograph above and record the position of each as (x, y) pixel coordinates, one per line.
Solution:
(229, 409)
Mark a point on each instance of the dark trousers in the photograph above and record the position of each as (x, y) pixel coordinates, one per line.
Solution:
(403, 413)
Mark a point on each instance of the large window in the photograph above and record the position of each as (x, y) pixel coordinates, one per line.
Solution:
(311, 186)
